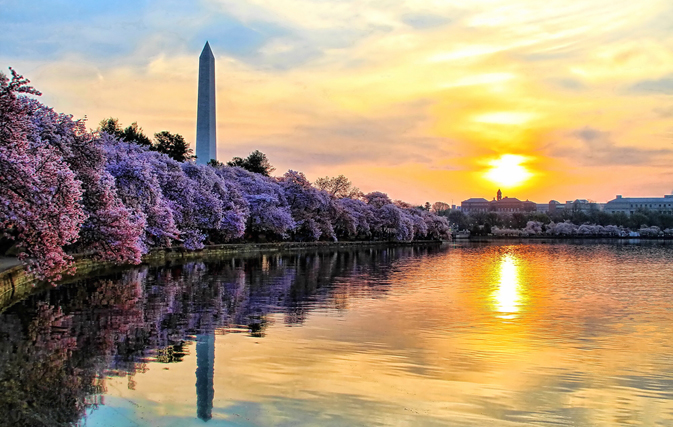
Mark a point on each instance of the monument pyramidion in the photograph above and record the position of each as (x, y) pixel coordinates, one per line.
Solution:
(206, 141)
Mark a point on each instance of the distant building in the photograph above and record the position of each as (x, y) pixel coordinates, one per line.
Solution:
(554, 207)
(511, 205)
(474, 205)
(630, 205)
(500, 205)
(582, 205)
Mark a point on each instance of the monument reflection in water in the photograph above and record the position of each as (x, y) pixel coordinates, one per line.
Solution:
(205, 370)
(544, 334)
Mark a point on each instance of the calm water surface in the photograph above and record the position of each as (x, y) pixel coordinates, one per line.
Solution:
(494, 334)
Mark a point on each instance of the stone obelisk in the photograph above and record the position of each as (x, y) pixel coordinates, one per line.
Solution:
(206, 141)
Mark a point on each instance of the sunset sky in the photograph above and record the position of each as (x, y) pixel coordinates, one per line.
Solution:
(426, 101)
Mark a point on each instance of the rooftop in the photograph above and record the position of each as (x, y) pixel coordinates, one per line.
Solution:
(666, 198)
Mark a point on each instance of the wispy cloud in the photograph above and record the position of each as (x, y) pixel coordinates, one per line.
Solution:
(662, 86)
(599, 149)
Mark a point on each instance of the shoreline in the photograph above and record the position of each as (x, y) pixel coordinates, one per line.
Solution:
(16, 283)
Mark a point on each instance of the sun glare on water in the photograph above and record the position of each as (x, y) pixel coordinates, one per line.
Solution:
(508, 171)
(508, 295)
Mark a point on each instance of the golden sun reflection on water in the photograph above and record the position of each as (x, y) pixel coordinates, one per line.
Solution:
(508, 296)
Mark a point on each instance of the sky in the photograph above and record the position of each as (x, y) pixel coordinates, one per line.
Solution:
(423, 100)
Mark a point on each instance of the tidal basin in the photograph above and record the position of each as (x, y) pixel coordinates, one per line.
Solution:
(496, 334)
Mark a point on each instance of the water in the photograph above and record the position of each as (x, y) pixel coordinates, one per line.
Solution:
(493, 334)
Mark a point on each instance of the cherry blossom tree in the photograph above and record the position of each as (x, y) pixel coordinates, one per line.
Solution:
(311, 208)
(417, 218)
(353, 219)
(652, 231)
(181, 195)
(221, 209)
(40, 198)
(389, 220)
(438, 227)
(111, 232)
(377, 199)
(533, 228)
(613, 230)
(140, 191)
(566, 228)
(269, 210)
(509, 232)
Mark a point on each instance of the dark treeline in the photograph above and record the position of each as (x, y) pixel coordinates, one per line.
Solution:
(114, 194)
(57, 348)
(173, 145)
(562, 222)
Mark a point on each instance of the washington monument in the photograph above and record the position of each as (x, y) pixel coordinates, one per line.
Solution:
(206, 141)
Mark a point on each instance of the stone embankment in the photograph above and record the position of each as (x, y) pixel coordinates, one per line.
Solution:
(16, 283)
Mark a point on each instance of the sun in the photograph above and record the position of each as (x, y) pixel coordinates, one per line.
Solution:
(508, 171)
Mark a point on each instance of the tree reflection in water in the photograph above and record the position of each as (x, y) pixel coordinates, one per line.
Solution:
(57, 348)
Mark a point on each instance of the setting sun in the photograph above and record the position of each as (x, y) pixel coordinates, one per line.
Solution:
(508, 170)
